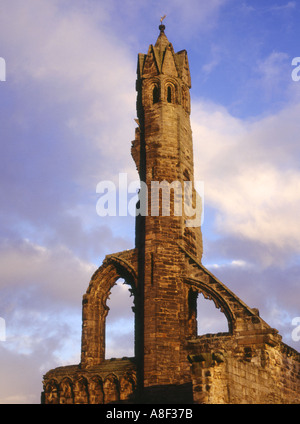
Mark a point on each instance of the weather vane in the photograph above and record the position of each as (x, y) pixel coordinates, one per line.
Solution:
(162, 18)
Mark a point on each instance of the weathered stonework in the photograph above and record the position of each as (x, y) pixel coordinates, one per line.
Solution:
(249, 363)
(112, 381)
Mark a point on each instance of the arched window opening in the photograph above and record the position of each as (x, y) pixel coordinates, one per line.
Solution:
(169, 94)
(119, 331)
(155, 94)
(209, 318)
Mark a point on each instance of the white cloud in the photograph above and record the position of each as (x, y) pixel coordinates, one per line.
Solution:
(41, 293)
(288, 6)
(73, 61)
(251, 174)
(57, 274)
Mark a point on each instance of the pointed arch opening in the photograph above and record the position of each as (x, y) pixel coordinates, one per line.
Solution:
(208, 313)
(119, 331)
(96, 306)
(210, 320)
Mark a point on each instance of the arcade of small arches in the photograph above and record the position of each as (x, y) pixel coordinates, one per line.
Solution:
(95, 389)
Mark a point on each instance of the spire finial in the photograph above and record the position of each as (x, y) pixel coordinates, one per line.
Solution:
(161, 26)
(162, 18)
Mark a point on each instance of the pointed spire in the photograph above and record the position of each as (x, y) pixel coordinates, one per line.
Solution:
(161, 59)
(162, 40)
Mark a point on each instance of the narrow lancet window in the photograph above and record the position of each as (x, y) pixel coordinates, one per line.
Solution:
(169, 94)
(155, 94)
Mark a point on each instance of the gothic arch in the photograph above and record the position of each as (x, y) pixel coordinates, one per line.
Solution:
(127, 386)
(96, 395)
(95, 309)
(66, 395)
(80, 389)
(51, 392)
(111, 389)
(197, 286)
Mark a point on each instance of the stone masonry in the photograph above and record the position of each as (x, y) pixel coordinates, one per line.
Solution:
(172, 364)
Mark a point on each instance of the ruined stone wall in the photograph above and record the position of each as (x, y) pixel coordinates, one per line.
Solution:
(224, 371)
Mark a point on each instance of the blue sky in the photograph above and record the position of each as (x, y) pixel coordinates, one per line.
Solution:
(67, 112)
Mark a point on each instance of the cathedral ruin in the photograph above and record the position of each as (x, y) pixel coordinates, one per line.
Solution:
(172, 364)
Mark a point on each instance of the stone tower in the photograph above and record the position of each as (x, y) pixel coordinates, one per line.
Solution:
(163, 153)
(172, 363)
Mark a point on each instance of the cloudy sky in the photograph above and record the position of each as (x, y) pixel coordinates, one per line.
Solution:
(67, 112)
